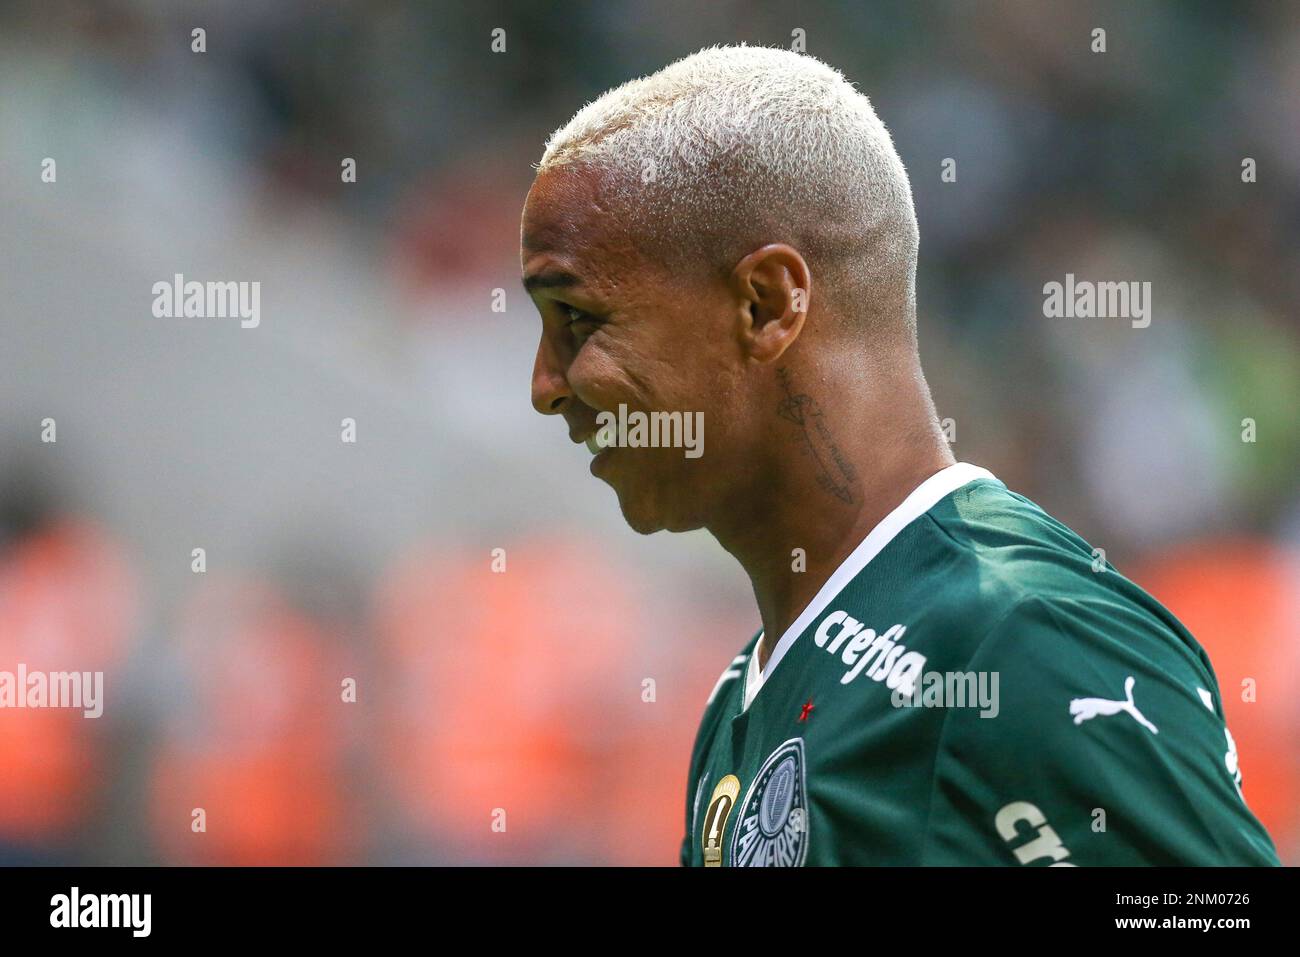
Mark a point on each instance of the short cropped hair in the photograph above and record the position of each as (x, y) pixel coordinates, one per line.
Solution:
(737, 146)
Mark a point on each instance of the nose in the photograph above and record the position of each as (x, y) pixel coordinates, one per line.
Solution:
(550, 387)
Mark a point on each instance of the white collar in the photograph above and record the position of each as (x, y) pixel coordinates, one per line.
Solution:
(923, 498)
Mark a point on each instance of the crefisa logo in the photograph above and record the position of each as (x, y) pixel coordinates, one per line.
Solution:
(773, 827)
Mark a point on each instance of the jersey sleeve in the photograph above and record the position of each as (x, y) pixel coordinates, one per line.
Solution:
(1105, 745)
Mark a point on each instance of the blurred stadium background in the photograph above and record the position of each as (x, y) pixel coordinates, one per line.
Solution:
(523, 690)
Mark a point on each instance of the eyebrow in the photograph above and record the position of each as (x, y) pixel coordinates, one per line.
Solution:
(550, 279)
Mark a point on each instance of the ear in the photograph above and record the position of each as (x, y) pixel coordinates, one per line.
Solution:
(773, 288)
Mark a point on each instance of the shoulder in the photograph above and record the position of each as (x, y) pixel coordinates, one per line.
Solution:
(1114, 737)
(1073, 639)
(1076, 686)
(1025, 583)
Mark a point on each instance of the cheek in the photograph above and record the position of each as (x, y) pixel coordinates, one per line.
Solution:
(601, 378)
(656, 359)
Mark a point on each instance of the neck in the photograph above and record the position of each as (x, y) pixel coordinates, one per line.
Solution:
(833, 476)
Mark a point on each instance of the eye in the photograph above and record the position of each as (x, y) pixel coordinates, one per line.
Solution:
(580, 323)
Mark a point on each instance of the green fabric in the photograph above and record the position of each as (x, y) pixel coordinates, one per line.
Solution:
(984, 582)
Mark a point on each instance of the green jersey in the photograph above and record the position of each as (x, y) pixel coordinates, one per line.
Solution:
(973, 685)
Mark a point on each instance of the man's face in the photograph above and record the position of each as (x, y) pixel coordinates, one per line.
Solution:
(620, 329)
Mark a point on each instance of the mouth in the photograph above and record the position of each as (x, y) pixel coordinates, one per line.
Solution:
(600, 445)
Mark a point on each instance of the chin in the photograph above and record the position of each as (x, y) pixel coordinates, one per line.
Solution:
(642, 525)
(646, 514)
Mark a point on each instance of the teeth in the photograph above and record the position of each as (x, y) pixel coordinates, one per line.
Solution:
(593, 446)
(598, 441)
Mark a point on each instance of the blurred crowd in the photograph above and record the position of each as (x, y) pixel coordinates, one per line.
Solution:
(544, 713)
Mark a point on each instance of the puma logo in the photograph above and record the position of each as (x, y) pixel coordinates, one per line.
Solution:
(1085, 708)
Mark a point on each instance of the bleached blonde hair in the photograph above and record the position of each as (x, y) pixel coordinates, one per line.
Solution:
(736, 146)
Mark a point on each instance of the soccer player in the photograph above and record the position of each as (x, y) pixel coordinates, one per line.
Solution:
(945, 674)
